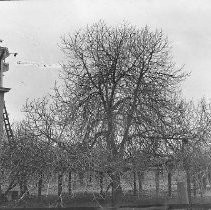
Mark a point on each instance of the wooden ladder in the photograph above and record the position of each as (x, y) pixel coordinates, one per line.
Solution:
(7, 124)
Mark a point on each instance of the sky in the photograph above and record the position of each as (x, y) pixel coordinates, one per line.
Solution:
(34, 29)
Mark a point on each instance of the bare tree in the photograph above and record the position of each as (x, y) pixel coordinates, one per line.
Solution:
(116, 79)
(25, 160)
(189, 136)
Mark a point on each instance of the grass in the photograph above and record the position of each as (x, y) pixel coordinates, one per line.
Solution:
(79, 199)
(88, 195)
(88, 199)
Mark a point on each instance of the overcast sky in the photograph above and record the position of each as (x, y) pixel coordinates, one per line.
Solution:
(33, 29)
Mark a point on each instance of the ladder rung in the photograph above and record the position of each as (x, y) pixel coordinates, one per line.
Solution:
(7, 124)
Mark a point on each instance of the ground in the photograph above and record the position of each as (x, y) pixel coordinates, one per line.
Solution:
(86, 199)
(88, 195)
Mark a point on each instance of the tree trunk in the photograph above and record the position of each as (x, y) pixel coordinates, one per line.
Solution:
(60, 177)
(81, 178)
(204, 182)
(134, 183)
(21, 187)
(209, 177)
(169, 183)
(40, 183)
(157, 183)
(194, 187)
(188, 186)
(116, 189)
(74, 177)
(90, 177)
(70, 183)
(23, 184)
(0, 191)
(140, 182)
(101, 182)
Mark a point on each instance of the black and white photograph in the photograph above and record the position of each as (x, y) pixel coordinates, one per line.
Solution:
(105, 104)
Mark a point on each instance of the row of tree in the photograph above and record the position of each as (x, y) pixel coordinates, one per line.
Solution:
(117, 107)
